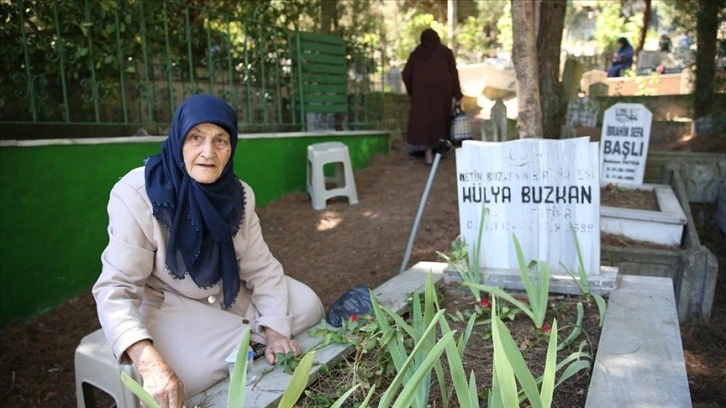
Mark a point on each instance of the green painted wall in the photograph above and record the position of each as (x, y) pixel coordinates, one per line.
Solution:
(53, 207)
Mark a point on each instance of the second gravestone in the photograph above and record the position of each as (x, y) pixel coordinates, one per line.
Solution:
(624, 143)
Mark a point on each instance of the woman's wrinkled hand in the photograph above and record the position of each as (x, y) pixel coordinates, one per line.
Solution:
(159, 378)
(277, 343)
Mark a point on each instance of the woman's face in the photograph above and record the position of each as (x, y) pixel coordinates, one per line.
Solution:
(206, 151)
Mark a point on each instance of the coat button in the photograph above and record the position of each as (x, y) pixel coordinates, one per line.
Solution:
(245, 321)
(211, 299)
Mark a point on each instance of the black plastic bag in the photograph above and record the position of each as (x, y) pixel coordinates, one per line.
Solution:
(354, 301)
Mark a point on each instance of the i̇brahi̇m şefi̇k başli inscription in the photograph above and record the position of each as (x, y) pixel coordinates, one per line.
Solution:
(624, 143)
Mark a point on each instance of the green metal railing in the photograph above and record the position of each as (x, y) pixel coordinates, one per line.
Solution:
(125, 62)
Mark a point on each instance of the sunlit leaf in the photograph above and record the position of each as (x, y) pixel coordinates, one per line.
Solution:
(139, 391)
(238, 379)
(298, 382)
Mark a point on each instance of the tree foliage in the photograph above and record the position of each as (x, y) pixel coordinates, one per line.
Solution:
(613, 23)
(81, 51)
(678, 13)
(504, 26)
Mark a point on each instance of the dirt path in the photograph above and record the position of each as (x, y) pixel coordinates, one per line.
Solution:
(347, 245)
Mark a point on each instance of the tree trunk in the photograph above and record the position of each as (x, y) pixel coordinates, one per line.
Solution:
(552, 22)
(643, 29)
(451, 21)
(705, 54)
(328, 16)
(526, 67)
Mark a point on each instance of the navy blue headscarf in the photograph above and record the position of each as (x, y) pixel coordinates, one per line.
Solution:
(201, 218)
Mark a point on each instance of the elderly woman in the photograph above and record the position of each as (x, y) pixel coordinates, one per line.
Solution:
(186, 267)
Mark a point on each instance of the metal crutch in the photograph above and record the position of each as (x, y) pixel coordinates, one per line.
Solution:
(443, 147)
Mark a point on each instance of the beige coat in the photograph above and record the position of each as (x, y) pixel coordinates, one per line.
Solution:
(138, 298)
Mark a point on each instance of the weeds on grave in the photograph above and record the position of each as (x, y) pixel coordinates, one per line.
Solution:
(415, 351)
(467, 394)
(411, 348)
(360, 331)
(510, 369)
(288, 361)
(421, 331)
(467, 268)
(613, 188)
(582, 281)
(481, 315)
(537, 288)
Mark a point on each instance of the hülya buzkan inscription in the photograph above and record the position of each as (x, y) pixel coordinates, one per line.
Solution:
(539, 190)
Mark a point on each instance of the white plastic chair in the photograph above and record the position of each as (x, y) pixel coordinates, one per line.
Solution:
(320, 154)
(96, 366)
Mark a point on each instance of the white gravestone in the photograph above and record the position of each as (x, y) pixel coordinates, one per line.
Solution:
(624, 143)
(537, 189)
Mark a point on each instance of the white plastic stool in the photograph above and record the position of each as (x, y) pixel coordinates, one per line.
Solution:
(95, 365)
(320, 154)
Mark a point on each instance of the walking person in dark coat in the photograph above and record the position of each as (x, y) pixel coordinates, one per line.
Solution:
(431, 81)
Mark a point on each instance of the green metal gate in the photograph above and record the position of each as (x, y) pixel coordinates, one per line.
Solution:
(122, 64)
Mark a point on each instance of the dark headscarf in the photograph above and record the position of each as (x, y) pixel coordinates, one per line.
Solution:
(202, 218)
(624, 41)
(429, 36)
(430, 41)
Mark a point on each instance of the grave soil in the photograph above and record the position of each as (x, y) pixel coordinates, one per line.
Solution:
(616, 240)
(478, 354)
(332, 251)
(613, 196)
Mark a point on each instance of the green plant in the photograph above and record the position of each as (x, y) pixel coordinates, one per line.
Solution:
(413, 369)
(480, 312)
(297, 384)
(360, 331)
(236, 395)
(466, 392)
(507, 313)
(365, 335)
(510, 369)
(583, 282)
(467, 267)
(421, 333)
(139, 391)
(458, 259)
(318, 399)
(576, 329)
(416, 351)
(537, 289)
(288, 361)
(412, 348)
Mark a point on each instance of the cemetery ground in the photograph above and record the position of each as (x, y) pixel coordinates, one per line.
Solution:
(333, 250)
